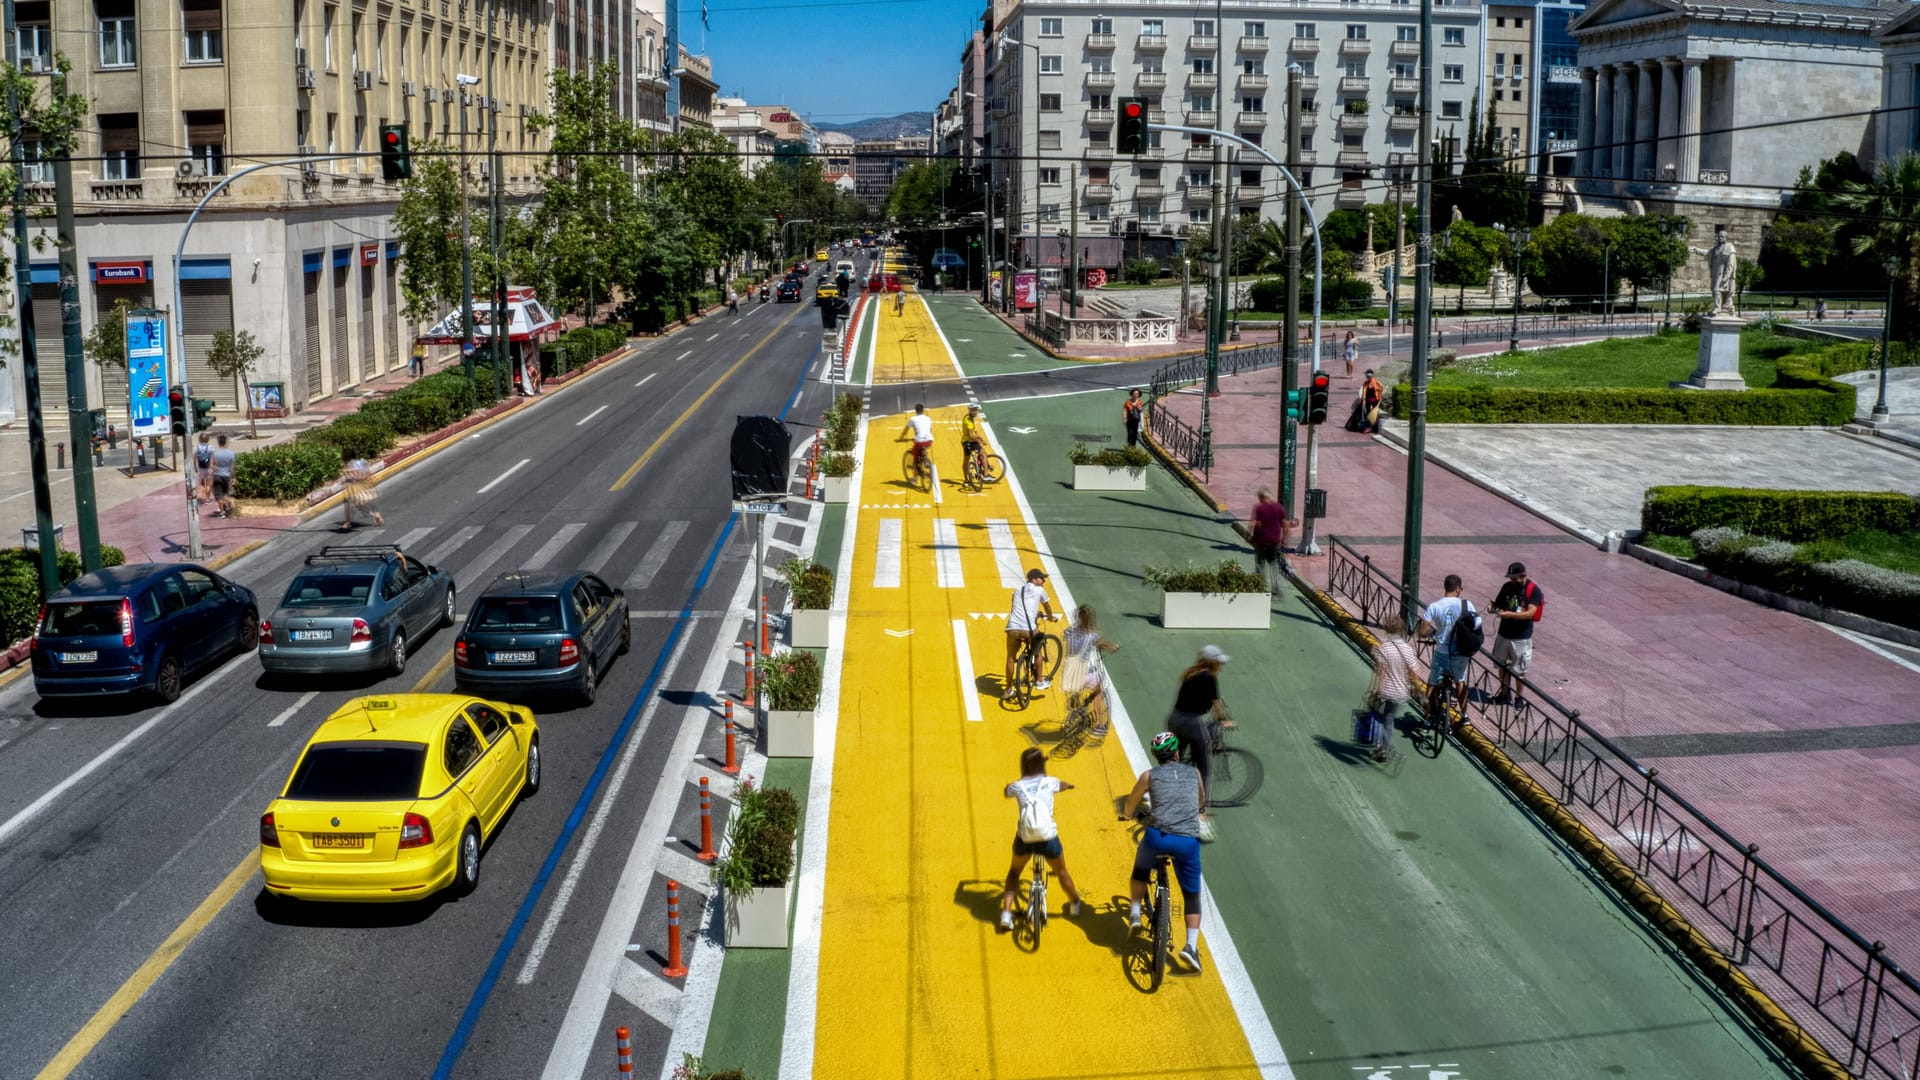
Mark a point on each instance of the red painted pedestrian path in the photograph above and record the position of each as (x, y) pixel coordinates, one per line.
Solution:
(1644, 653)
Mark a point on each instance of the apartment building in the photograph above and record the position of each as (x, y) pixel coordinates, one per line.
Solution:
(650, 76)
(1533, 83)
(697, 90)
(187, 93)
(878, 162)
(744, 127)
(1057, 70)
(836, 152)
(588, 33)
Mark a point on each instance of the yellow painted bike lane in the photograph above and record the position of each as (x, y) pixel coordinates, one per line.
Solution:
(907, 347)
(914, 979)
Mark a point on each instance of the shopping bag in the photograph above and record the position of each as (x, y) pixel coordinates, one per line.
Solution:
(1366, 724)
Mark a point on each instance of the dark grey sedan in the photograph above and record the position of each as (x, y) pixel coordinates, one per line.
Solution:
(541, 631)
(355, 608)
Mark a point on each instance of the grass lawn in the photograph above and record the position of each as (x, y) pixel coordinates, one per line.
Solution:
(1637, 361)
(1894, 551)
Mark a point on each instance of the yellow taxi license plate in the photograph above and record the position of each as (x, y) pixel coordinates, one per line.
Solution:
(340, 840)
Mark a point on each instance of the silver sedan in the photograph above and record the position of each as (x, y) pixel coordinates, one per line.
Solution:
(355, 609)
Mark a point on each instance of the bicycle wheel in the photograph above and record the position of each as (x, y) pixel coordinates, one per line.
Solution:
(993, 469)
(1162, 930)
(1431, 736)
(1037, 902)
(1022, 686)
(910, 469)
(970, 473)
(1047, 654)
(1236, 776)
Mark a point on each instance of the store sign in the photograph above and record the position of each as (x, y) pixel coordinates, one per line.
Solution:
(780, 118)
(147, 374)
(120, 273)
(369, 254)
(1025, 289)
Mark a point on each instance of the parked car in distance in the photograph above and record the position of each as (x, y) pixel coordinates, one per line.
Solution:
(548, 630)
(147, 628)
(353, 608)
(395, 797)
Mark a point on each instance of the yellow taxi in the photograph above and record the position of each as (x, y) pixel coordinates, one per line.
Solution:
(396, 795)
(820, 256)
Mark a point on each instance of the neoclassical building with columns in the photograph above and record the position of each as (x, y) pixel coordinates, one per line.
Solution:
(1685, 102)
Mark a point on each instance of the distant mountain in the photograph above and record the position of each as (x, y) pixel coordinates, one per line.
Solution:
(885, 127)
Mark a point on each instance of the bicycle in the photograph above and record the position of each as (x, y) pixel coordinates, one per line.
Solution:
(918, 467)
(1037, 898)
(1086, 715)
(1038, 659)
(1236, 774)
(1430, 735)
(982, 468)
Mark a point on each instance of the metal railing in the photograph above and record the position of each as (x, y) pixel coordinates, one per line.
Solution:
(1181, 442)
(1495, 328)
(1847, 994)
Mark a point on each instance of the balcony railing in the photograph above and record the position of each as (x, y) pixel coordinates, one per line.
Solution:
(1099, 79)
(1202, 118)
(1100, 116)
(1400, 85)
(1403, 122)
(1150, 80)
(1250, 194)
(1148, 189)
(1350, 198)
(1303, 45)
(1352, 159)
(1096, 192)
(1356, 47)
(1252, 82)
(1253, 44)
(1153, 42)
(1355, 84)
(1101, 41)
(1354, 121)
(1309, 85)
(1203, 42)
(1404, 50)
(1202, 80)
(1200, 153)
(1199, 194)
(120, 190)
(1251, 120)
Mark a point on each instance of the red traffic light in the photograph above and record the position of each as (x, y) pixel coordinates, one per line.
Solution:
(1133, 110)
(1321, 380)
(393, 138)
(175, 398)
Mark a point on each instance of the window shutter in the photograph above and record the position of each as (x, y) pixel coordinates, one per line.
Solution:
(200, 14)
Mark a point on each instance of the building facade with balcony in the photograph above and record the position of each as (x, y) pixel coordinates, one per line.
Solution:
(697, 90)
(185, 92)
(650, 76)
(1058, 70)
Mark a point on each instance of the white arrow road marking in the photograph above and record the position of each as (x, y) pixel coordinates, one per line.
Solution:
(899, 633)
(495, 482)
(1023, 430)
(969, 693)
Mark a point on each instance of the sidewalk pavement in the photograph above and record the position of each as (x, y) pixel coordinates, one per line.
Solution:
(1787, 733)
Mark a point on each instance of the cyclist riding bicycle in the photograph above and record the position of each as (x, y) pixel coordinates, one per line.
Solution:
(1030, 604)
(973, 441)
(1086, 673)
(920, 428)
(1037, 833)
(1178, 796)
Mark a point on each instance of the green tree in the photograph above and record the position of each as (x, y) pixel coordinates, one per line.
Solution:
(56, 117)
(1644, 255)
(1746, 274)
(1886, 210)
(1489, 188)
(1567, 258)
(1796, 251)
(918, 196)
(233, 356)
(1465, 255)
(586, 225)
(106, 343)
(426, 221)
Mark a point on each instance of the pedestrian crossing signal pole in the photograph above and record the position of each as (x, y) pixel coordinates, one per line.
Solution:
(1422, 332)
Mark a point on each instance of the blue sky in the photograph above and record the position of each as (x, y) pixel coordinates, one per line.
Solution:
(834, 62)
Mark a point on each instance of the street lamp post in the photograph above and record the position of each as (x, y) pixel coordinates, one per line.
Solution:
(1518, 237)
(1606, 281)
(1886, 341)
(1668, 227)
(466, 237)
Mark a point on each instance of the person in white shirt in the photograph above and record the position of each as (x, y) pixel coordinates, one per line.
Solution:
(1086, 674)
(1030, 604)
(1036, 834)
(920, 429)
(1436, 625)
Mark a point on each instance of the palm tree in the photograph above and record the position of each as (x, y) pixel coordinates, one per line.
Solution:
(1888, 207)
(1265, 247)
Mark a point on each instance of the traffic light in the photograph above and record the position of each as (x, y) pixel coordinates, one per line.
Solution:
(177, 410)
(395, 164)
(202, 413)
(1133, 125)
(1294, 400)
(1317, 397)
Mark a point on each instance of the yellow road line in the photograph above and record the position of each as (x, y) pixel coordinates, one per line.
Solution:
(148, 973)
(641, 462)
(162, 958)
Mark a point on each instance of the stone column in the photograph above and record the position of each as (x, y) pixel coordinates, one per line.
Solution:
(1623, 108)
(1646, 116)
(1666, 163)
(1689, 120)
(1600, 157)
(1583, 157)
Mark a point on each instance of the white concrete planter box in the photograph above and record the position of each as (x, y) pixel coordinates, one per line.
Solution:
(789, 734)
(1109, 478)
(757, 918)
(835, 489)
(807, 629)
(1216, 611)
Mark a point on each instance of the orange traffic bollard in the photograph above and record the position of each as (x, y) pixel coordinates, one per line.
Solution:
(747, 647)
(732, 767)
(624, 1048)
(706, 822)
(674, 968)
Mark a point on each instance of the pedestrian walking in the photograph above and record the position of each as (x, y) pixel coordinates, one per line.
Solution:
(1269, 539)
(1131, 411)
(1350, 351)
(900, 302)
(733, 301)
(1037, 833)
(363, 497)
(1392, 685)
(1084, 673)
(222, 469)
(1436, 624)
(417, 363)
(1371, 396)
(1518, 605)
(203, 468)
(1198, 699)
(1819, 310)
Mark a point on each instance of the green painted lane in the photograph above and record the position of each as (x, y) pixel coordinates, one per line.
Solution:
(984, 344)
(1390, 917)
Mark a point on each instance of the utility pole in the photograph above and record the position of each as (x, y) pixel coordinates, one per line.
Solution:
(1072, 290)
(502, 322)
(1290, 322)
(79, 422)
(29, 357)
(1422, 330)
(466, 239)
(986, 241)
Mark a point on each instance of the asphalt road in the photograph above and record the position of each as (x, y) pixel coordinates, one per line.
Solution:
(97, 872)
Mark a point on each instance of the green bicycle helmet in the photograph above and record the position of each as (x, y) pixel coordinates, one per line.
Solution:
(1165, 745)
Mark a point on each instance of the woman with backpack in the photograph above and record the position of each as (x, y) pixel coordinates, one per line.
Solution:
(1036, 833)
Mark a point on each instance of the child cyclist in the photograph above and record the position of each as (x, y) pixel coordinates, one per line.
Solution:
(1036, 833)
(1178, 796)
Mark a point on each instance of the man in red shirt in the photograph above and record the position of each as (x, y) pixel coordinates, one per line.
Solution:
(1270, 527)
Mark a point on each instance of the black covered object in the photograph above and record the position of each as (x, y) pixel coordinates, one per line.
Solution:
(760, 449)
(1357, 420)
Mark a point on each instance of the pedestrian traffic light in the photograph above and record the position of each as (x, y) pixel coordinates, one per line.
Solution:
(1133, 125)
(177, 410)
(1317, 397)
(395, 164)
(202, 413)
(1295, 398)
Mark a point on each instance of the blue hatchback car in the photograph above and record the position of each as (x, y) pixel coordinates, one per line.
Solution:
(533, 631)
(141, 628)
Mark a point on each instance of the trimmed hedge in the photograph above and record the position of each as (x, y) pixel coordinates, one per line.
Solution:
(1352, 294)
(1798, 516)
(287, 471)
(20, 595)
(356, 435)
(584, 345)
(1847, 584)
(1802, 395)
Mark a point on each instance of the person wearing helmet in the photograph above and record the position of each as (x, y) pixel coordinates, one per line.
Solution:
(972, 440)
(1178, 796)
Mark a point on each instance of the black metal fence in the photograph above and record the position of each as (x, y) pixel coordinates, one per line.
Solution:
(1185, 444)
(1842, 989)
(1545, 326)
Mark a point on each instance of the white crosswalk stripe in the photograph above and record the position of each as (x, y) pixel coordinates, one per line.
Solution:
(412, 537)
(946, 555)
(657, 555)
(553, 545)
(596, 559)
(476, 573)
(445, 549)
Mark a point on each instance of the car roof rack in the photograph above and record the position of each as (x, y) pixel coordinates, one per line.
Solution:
(337, 553)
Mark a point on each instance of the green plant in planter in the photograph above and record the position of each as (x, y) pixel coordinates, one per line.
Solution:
(808, 583)
(759, 839)
(837, 465)
(1227, 577)
(1113, 457)
(790, 679)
